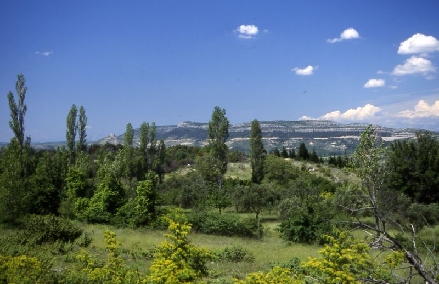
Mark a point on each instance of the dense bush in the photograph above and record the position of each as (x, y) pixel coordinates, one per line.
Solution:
(225, 225)
(48, 229)
(308, 223)
(235, 254)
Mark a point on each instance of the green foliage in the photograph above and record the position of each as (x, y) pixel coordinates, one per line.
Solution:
(254, 197)
(225, 225)
(414, 168)
(275, 275)
(176, 260)
(114, 270)
(108, 197)
(345, 260)
(71, 132)
(279, 171)
(16, 167)
(18, 109)
(256, 152)
(23, 269)
(141, 210)
(82, 130)
(235, 254)
(48, 229)
(311, 218)
(303, 153)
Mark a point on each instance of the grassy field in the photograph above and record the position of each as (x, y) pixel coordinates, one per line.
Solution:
(271, 249)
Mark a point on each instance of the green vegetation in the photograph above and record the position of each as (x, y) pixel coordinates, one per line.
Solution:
(91, 213)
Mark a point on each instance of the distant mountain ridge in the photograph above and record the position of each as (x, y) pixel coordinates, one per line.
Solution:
(326, 137)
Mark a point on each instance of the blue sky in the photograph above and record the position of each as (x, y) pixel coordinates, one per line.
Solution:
(172, 61)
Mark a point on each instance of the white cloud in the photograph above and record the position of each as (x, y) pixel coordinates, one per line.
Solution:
(247, 31)
(44, 53)
(360, 113)
(414, 65)
(422, 109)
(419, 43)
(350, 33)
(374, 83)
(305, 71)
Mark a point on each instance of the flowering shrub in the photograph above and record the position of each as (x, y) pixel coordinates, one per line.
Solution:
(176, 260)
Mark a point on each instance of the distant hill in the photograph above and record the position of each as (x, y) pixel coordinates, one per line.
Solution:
(326, 137)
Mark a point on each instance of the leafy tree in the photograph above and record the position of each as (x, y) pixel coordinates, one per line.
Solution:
(71, 132)
(278, 170)
(108, 196)
(160, 161)
(366, 162)
(143, 150)
(15, 188)
(314, 158)
(16, 161)
(303, 152)
(47, 183)
(292, 154)
(370, 167)
(256, 152)
(311, 218)
(414, 168)
(218, 133)
(152, 152)
(82, 131)
(18, 109)
(284, 153)
(141, 210)
(213, 165)
(254, 198)
(128, 153)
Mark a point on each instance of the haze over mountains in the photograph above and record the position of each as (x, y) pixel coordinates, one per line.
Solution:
(326, 137)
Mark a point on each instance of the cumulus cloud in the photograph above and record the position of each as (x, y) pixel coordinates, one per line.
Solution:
(422, 109)
(419, 43)
(367, 112)
(375, 83)
(414, 65)
(350, 33)
(247, 31)
(44, 53)
(305, 71)
(360, 113)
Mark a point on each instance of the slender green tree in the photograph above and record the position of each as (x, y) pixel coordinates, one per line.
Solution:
(160, 161)
(82, 132)
(18, 109)
(16, 161)
(143, 150)
(256, 152)
(71, 132)
(303, 152)
(152, 151)
(218, 133)
(128, 153)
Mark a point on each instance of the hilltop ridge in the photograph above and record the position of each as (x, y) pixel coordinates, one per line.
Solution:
(326, 137)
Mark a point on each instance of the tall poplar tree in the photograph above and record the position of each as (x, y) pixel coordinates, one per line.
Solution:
(71, 132)
(143, 150)
(128, 148)
(152, 152)
(218, 132)
(256, 152)
(18, 109)
(82, 132)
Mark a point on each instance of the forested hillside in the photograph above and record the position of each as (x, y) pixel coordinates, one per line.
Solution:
(374, 223)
